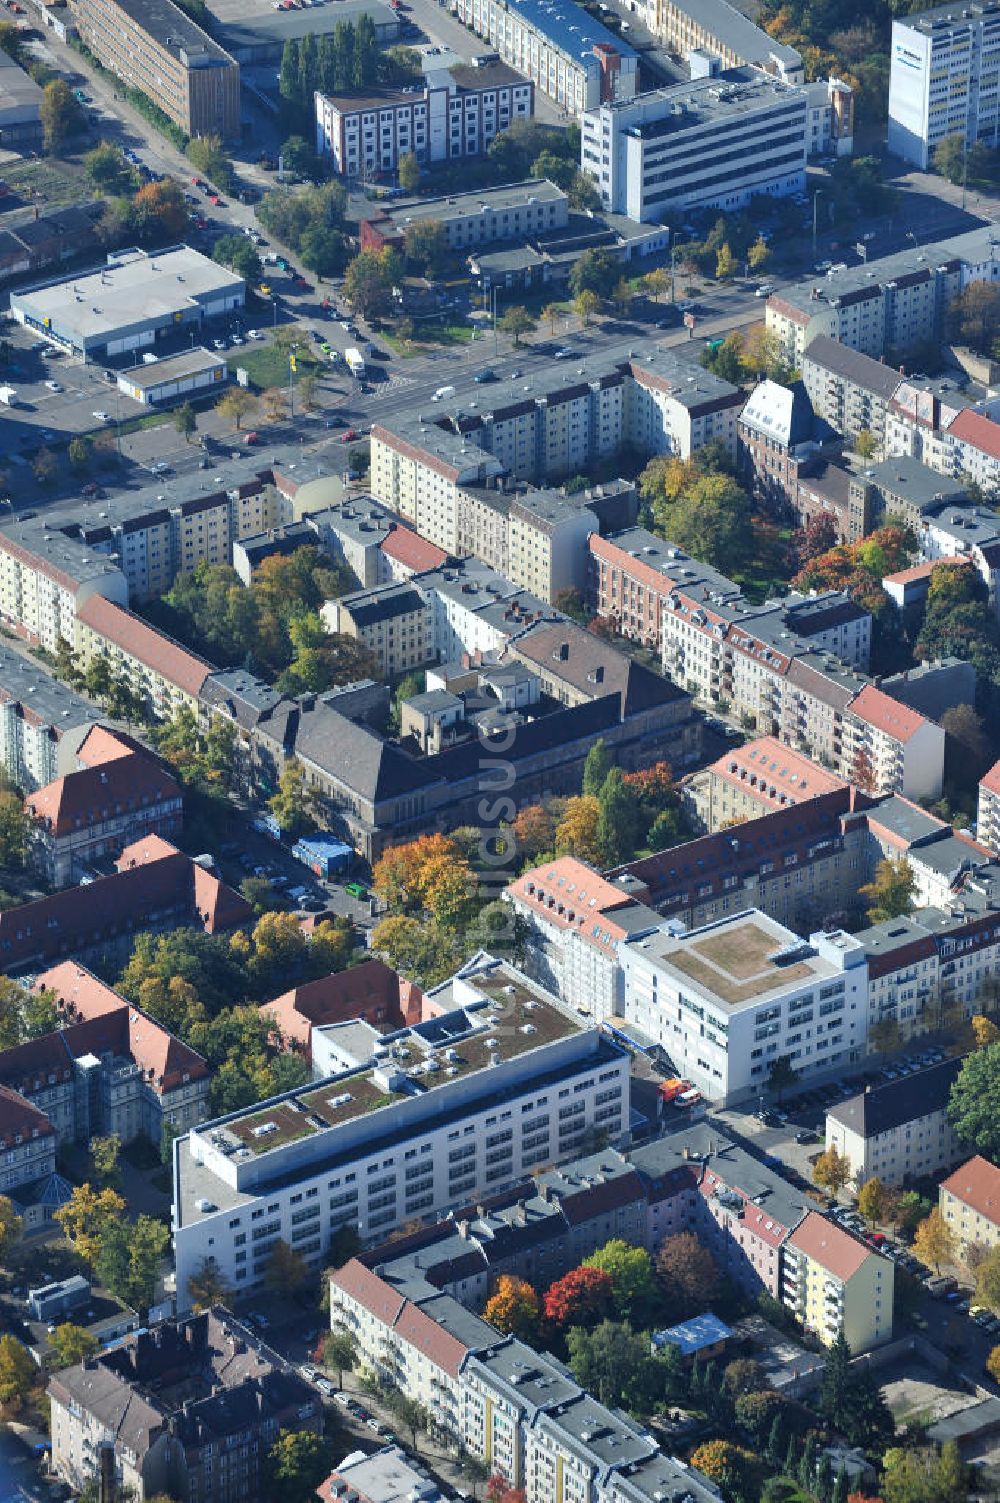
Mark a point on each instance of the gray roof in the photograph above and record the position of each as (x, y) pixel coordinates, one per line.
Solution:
(387, 1476)
(883, 1108)
(704, 1148)
(176, 32)
(860, 370)
(906, 820)
(383, 603)
(736, 31)
(42, 696)
(173, 367)
(462, 205)
(781, 413)
(917, 483)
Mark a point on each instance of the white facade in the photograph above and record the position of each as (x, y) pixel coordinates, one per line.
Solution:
(812, 1009)
(897, 1153)
(945, 67)
(712, 143)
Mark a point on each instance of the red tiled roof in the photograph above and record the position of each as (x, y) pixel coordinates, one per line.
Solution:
(79, 992)
(774, 773)
(164, 1059)
(367, 1289)
(568, 894)
(150, 647)
(991, 780)
(921, 571)
(103, 745)
(412, 551)
(979, 431)
(437, 1344)
(830, 1246)
(130, 784)
(20, 1119)
(371, 990)
(886, 715)
(977, 1185)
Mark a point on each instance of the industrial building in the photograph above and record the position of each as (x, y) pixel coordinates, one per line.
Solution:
(130, 303)
(153, 46)
(724, 32)
(568, 56)
(456, 114)
(943, 79)
(714, 142)
(20, 112)
(259, 34)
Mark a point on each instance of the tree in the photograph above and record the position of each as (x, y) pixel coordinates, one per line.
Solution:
(974, 316)
(595, 271)
(781, 1075)
(984, 1032)
(518, 322)
(730, 1466)
(207, 1286)
(874, 1201)
(993, 1364)
(323, 250)
(832, 1170)
(581, 1297)
(104, 1153)
(159, 211)
(725, 263)
(369, 280)
(408, 171)
(550, 313)
(577, 830)
(612, 1362)
(630, 1269)
(744, 1375)
(866, 444)
(987, 1276)
(817, 537)
(934, 1241)
(45, 466)
(967, 731)
(922, 1474)
(18, 1373)
(617, 820)
(295, 1466)
(884, 1036)
(759, 254)
(287, 1270)
(339, 1353)
(513, 1307)
(596, 767)
(108, 170)
(687, 1272)
(85, 1214)
(71, 1344)
(974, 1105)
(60, 114)
(949, 157)
(585, 305)
(236, 405)
(14, 829)
(238, 253)
(185, 421)
(425, 246)
(129, 1257)
(412, 1415)
(710, 519)
(890, 895)
(294, 804)
(206, 155)
(11, 1227)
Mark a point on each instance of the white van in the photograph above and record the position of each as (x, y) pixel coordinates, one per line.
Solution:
(443, 392)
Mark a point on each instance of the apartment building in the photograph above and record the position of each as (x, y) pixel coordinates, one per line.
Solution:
(575, 62)
(154, 46)
(44, 582)
(849, 389)
(726, 1000)
(775, 435)
(832, 1282)
(507, 1079)
(988, 812)
(579, 922)
(189, 1408)
(899, 1131)
(29, 1143)
(392, 621)
(117, 795)
(969, 1200)
(165, 675)
(42, 722)
(714, 142)
(515, 211)
(943, 79)
(755, 779)
(718, 28)
(887, 306)
(456, 114)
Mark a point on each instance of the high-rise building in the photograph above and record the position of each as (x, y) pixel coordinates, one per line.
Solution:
(944, 79)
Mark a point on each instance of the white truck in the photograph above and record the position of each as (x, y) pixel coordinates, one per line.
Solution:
(355, 363)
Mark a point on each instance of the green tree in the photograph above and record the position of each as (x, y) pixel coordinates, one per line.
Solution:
(299, 157)
(14, 829)
(630, 1270)
(323, 250)
(369, 280)
(129, 1258)
(295, 1466)
(60, 114)
(294, 805)
(287, 1270)
(781, 1075)
(974, 1105)
(596, 271)
(890, 894)
(618, 819)
(412, 1415)
(185, 421)
(206, 155)
(612, 1362)
(78, 452)
(71, 1344)
(108, 170)
(949, 157)
(425, 247)
(408, 171)
(238, 253)
(11, 1227)
(518, 322)
(340, 1354)
(596, 767)
(709, 518)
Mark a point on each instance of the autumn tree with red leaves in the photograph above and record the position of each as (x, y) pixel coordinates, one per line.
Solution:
(581, 1297)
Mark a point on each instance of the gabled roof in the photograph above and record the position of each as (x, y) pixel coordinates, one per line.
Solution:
(148, 646)
(79, 992)
(887, 715)
(991, 780)
(127, 784)
(413, 551)
(977, 430)
(101, 744)
(20, 1120)
(830, 1246)
(882, 1108)
(977, 1185)
(371, 990)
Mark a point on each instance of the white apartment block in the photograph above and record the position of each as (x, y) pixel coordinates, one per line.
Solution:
(969, 1201)
(899, 1131)
(988, 813)
(442, 1115)
(44, 578)
(455, 114)
(728, 999)
(944, 79)
(714, 142)
(569, 57)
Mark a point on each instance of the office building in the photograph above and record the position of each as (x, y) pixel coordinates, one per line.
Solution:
(898, 1132)
(137, 298)
(712, 143)
(155, 47)
(722, 31)
(726, 1000)
(456, 114)
(451, 1108)
(189, 1408)
(514, 211)
(832, 1282)
(117, 794)
(943, 79)
(574, 60)
(969, 1201)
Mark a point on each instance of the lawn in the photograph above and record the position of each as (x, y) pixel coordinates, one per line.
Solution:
(267, 366)
(429, 336)
(48, 180)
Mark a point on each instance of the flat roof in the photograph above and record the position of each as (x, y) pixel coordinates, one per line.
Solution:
(173, 368)
(18, 90)
(132, 288)
(455, 205)
(248, 29)
(174, 30)
(738, 960)
(571, 29)
(688, 106)
(735, 31)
